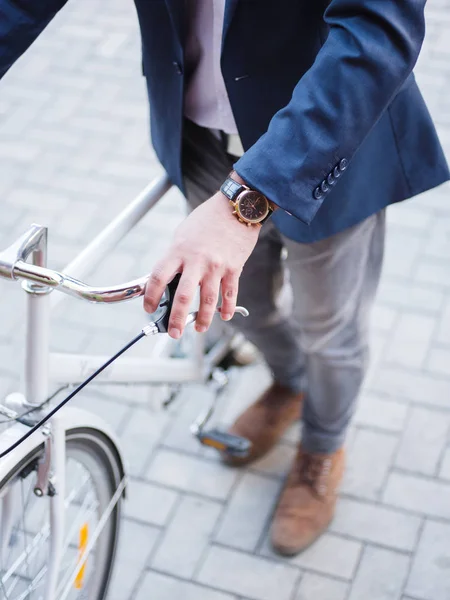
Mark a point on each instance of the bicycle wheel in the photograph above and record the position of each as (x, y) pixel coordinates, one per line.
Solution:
(93, 473)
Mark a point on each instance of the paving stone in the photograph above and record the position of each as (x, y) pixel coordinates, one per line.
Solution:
(249, 576)
(187, 537)
(383, 318)
(424, 496)
(445, 466)
(64, 337)
(377, 344)
(443, 329)
(377, 524)
(247, 513)
(381, 575)
(161, 587)
(191, 402)
(149, 503)
(423, 441)
(410, 296)
(375, 411)
(136, 543)
(253, 381)
(7, 384)
(437, 200)
(402, 250)
(439, 361)
(139, 437)
(192, 474)
(317, 587)
(279, 460)
(409, 343)
(413, 386)
(406, 216)
(433, 272)
(33, 198)
(365, 476)
(430, 574)
(331, 555)
(438, 246)
(110, 411)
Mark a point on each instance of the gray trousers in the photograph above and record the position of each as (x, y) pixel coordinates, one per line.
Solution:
(309, 303)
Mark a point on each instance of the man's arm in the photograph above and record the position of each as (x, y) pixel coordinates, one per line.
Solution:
(371, 49)
(21, 21)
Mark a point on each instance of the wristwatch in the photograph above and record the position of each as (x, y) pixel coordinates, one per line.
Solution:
(250, 207)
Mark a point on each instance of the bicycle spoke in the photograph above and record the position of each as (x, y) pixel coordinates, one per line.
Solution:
(85, 556)
(40, 536)
(32, 586)
(3, 589)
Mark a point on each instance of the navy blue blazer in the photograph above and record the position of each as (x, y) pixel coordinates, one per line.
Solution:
(323, 94)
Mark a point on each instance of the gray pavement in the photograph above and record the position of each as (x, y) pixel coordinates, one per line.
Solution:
(73, 151)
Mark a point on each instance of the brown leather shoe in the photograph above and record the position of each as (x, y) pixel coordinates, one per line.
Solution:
(265, 421)
(307, 502)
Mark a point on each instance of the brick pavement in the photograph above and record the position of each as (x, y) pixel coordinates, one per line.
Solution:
(73, 151)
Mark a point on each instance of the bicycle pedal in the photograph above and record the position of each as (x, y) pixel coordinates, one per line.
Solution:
(233, 445)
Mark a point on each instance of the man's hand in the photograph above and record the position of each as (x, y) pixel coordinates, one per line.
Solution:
(209, 249)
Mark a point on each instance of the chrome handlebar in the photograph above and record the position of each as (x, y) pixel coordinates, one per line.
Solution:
(13, 266)
(73, 287)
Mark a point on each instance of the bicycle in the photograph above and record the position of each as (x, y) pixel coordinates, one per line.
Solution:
(63, 474)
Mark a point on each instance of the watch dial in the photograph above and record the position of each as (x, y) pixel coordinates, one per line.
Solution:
(253, 206)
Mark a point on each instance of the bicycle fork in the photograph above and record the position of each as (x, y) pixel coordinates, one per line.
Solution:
(57, 501)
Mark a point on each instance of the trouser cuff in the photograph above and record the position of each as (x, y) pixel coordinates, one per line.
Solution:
(321, 443)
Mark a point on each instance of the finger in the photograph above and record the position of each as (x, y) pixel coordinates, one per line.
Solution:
(209, 296)
(230, 287)
(184, 295)
(161, 275)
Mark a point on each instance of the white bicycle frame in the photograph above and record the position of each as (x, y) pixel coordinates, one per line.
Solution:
(43, 367)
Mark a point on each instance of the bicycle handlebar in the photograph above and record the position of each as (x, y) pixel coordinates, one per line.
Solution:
(13, 266)
(74, 287)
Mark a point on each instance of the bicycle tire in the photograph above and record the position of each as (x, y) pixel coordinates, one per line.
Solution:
(98, 456)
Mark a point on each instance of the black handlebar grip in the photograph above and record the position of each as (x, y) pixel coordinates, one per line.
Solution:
(163, 323)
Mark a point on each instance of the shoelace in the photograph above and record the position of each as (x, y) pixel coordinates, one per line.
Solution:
(314, 471)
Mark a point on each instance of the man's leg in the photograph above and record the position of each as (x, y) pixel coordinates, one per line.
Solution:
(268, 327)
(334, 283)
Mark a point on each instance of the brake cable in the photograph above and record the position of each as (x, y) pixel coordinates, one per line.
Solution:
(152, 328)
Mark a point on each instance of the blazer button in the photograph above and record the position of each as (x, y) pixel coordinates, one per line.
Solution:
(177, 67)
(318, 194)
(343, 164)
(331, 179)
(324, 187)
(336, 172)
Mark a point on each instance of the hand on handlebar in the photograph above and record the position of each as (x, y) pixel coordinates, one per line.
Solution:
(209, 249)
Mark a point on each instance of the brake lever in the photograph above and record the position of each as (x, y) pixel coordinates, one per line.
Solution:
(192, 317)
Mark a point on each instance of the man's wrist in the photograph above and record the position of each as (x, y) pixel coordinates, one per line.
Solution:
(239, 179)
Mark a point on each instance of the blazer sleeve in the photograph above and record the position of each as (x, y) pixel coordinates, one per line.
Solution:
(21, 21)
(371, 48)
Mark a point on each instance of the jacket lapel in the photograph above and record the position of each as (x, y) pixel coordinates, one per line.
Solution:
(230, 7)
(176, 10)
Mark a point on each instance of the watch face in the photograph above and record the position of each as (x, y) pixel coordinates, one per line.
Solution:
(252, 206)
